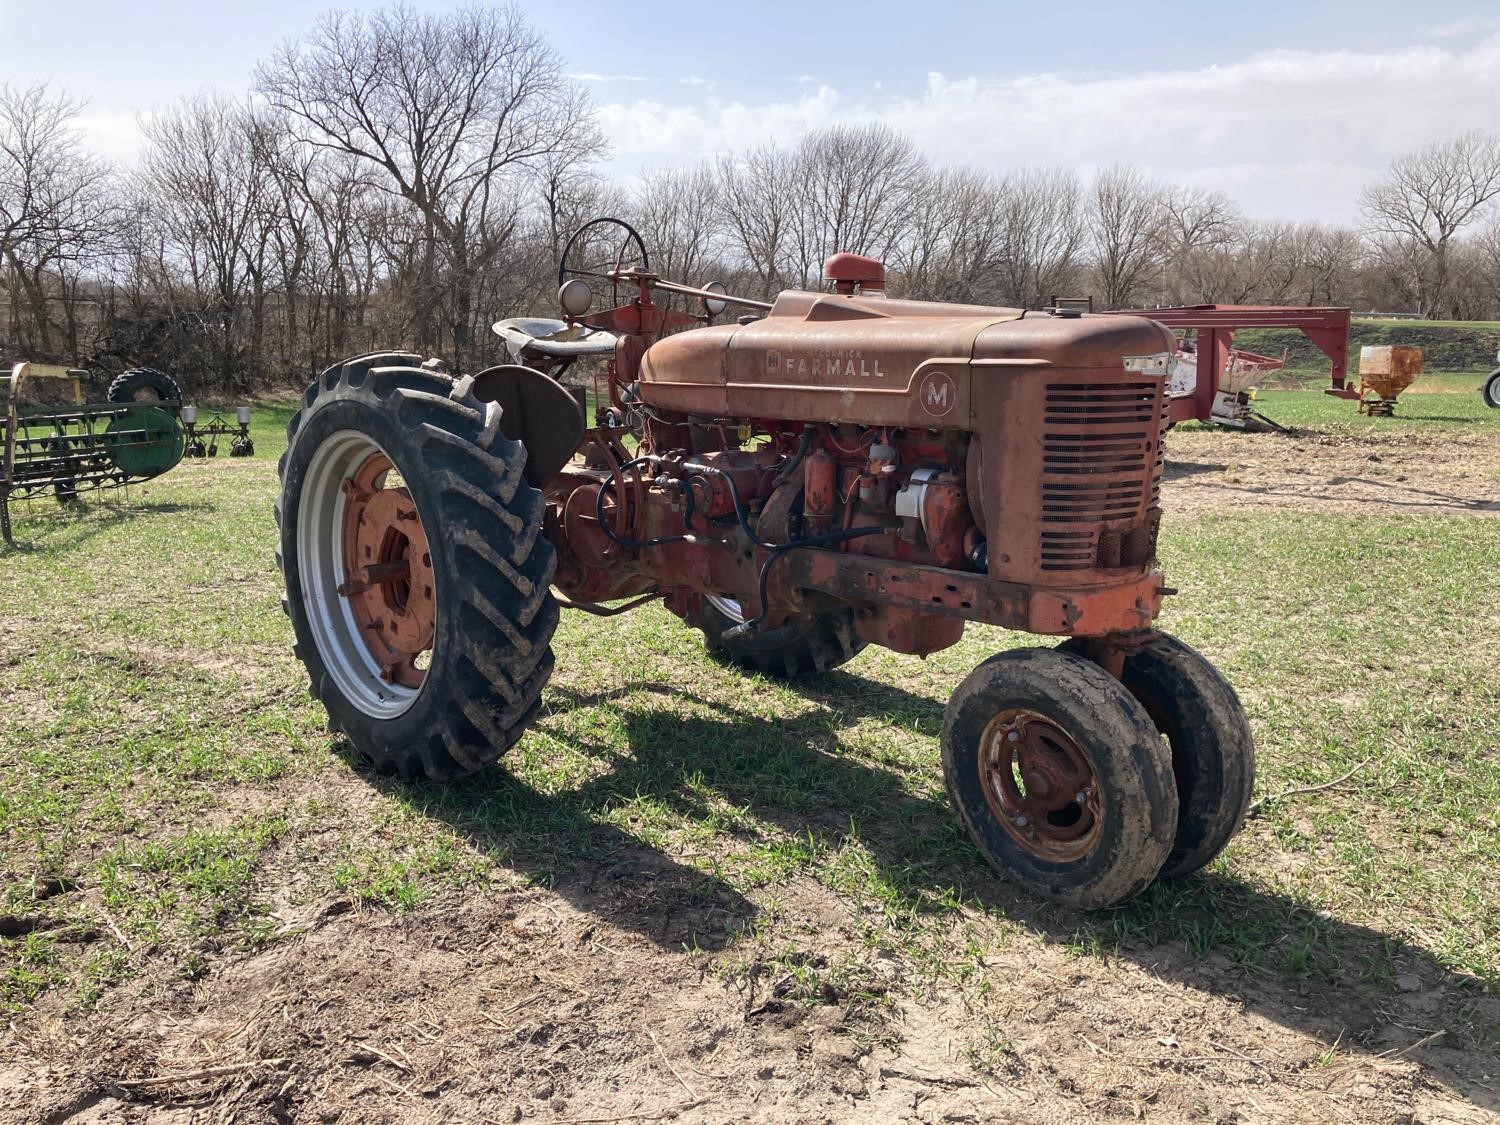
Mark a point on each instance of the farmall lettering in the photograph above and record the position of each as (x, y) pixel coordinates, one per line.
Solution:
(831, 363)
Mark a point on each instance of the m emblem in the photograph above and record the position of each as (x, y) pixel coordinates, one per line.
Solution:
(938, 393)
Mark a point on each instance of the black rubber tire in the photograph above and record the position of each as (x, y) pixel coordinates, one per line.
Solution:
(495, 613)
(1492, 391)
(144, 384)
(1213, 750)
(1133, 770)
(815, 644)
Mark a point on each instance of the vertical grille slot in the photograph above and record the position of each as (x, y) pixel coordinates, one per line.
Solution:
(1101, 474)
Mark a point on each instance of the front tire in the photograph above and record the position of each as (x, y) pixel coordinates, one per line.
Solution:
(1059, 777)
(417, 576)
(1492, 391)
(1213, 751)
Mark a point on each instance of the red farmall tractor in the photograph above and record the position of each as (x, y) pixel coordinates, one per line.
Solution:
(833, 470)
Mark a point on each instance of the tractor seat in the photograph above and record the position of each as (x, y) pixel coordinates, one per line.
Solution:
(554, 338)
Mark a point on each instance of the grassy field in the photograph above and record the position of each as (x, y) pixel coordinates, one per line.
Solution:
(170, 796)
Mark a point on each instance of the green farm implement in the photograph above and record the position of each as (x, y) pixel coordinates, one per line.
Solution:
(64, 449)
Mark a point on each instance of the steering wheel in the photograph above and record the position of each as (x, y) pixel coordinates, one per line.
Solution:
(594, 252)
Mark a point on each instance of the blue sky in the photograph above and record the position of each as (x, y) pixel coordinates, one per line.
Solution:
(1289, 106)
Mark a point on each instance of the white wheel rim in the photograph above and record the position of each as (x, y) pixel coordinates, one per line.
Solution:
(729, 607)
(320, 567)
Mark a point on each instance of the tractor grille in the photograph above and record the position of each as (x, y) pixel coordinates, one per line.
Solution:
(1101, 474)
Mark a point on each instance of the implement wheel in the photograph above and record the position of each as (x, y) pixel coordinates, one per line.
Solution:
(1492, 391)
(814, 644)
(417, 577)
(1060, 777)
(1213, 751)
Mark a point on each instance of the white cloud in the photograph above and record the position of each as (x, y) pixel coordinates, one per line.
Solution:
(651, 131)
(608, 78)
(1291, 133)
(694, 80)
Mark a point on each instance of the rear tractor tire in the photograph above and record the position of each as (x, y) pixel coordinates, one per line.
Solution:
(1492, 391)
(1060, 777)
(145, 384)
(817, 643)
(1213, 751)
(418, 580)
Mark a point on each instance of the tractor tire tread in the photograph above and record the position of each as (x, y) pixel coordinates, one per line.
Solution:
(125, 386)
(485, 531)
(1131, 764)
(817, 644)
(1213, 749)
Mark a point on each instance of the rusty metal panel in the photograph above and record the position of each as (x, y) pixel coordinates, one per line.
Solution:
(1075, 456)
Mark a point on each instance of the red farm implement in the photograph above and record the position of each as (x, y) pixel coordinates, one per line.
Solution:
(1211, 387)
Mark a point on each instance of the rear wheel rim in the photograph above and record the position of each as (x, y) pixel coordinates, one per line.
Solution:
(1039, 785)
(729, 607)
(366, 572)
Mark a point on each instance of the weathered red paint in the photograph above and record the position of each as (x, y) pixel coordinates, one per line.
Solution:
(1000, 465)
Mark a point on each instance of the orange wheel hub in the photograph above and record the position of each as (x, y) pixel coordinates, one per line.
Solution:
(388, 572)
(1039, 785)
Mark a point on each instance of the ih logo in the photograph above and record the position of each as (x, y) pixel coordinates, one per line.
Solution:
(938, 393)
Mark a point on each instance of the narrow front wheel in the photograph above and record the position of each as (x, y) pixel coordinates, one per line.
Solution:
(1213, 751)
(1060, 777)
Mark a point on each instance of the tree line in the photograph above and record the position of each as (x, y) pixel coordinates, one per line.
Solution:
(402, 179)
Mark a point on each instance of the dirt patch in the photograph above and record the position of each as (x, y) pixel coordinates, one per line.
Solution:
(1411, 472)
(556, 1005)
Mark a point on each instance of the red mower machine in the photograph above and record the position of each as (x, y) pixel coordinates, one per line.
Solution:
(833, 470)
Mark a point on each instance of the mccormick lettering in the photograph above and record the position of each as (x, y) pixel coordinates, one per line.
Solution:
(825, 363)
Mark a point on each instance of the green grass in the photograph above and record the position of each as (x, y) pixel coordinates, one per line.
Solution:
(1439, 401)
(159, 748)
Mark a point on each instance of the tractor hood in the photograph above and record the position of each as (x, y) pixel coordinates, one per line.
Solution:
(822, 357)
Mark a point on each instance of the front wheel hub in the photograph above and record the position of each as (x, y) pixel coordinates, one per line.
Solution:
(1039, 785)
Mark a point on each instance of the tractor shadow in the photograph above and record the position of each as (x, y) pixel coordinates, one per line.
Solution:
(687, 759)
(1382, 495)
(1183, 470)
(66, 527)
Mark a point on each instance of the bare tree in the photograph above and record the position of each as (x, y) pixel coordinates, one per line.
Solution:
(1042, 233)
(855, 186)
(444, 106)
(56, 212)
(759, 194)
(208, 179)
(950, 250)
(1126, 220)
(678, 215)
(1426, 199)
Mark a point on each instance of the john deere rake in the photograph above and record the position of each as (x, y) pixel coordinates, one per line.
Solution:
(66, 450)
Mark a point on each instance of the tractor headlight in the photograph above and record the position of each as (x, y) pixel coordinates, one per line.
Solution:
(575, 296)
(713, 306)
